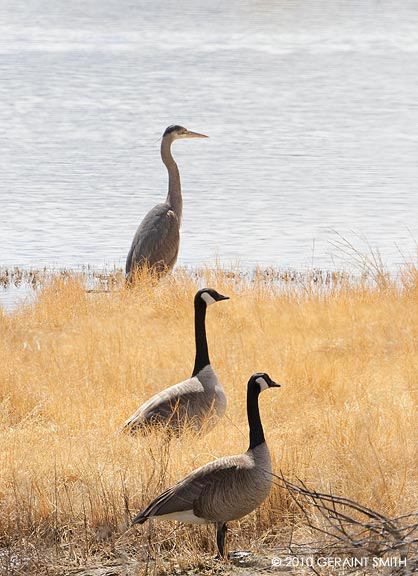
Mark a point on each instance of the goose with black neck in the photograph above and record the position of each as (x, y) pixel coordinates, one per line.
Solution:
(227, 488)
(196, 403)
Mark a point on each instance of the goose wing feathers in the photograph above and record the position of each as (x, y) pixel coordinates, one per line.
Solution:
(157, 239)
(201, 491)
(182, 400)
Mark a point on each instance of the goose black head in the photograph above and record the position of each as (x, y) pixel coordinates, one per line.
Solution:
(209, 296)
(176, 132)
(262, 381)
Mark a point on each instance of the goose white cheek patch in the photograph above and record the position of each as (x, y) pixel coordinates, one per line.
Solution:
(262, 383)
(208, 298)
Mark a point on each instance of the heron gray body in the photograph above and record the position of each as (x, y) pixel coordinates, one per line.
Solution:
(227, 488)
(157, 239)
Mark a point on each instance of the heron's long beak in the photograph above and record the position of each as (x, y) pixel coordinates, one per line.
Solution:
(190, 134)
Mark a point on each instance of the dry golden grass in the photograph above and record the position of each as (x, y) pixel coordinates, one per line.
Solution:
(75, 365)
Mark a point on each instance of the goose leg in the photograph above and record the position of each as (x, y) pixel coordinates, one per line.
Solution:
(220, 537)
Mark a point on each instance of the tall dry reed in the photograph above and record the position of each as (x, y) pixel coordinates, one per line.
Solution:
(75, 365)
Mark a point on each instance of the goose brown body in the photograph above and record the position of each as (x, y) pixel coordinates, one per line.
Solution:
(196, 403)
(227, 488)
(223, 490)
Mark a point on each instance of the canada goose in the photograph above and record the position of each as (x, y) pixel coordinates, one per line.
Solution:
(198, 401)
(227, 488)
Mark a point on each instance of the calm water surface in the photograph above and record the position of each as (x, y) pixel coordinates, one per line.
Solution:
(311, 108)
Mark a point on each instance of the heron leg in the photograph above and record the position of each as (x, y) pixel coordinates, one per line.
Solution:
(220, 537)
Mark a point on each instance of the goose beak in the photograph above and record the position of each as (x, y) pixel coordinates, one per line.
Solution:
(190, 134)
(222, 297)
(274, 384)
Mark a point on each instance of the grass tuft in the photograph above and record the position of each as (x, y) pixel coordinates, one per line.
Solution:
(75, 365)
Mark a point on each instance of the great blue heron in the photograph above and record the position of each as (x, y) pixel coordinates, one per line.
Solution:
(156, 242)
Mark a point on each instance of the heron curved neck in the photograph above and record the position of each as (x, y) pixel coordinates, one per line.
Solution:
(202, 353)
(174, 198)
(254, 420)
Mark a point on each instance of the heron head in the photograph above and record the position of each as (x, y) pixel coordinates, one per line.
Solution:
(263, 381)
(176, 132)
(209, 296)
